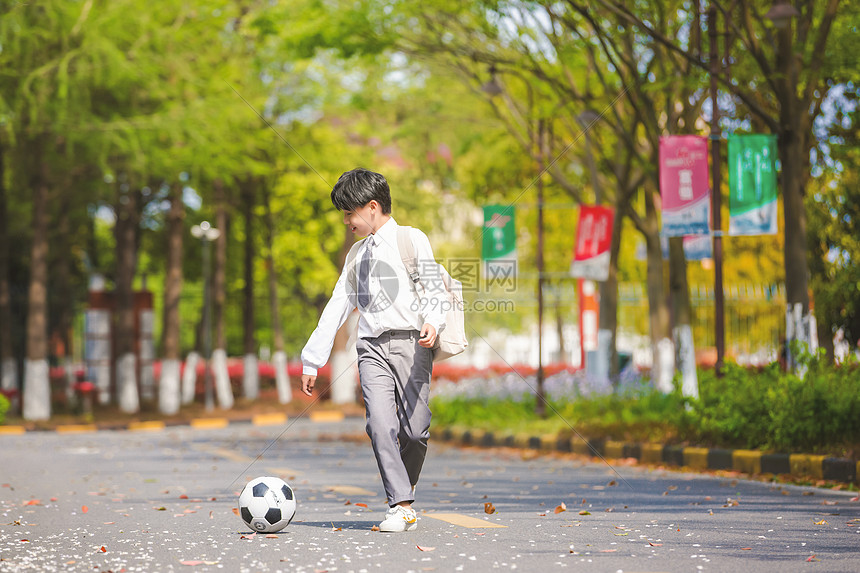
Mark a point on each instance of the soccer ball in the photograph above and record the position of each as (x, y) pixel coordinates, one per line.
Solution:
(267, 504)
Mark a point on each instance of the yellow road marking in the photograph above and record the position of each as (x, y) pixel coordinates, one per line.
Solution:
(350, 490)
(209, 423)
(269, 419)
(76, 428)
(289, 472)
(224, 453)
(151, 426)
(12, 430)
(327, 416)
(461, 520)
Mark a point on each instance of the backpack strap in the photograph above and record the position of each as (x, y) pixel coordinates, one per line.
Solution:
(407, 255)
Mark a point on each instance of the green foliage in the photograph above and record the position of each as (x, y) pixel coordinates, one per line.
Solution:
(745, 408)
(4, 407)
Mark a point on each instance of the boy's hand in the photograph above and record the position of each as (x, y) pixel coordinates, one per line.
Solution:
(428, 336)
(308, 382)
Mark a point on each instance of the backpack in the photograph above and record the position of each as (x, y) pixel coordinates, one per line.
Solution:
(451, 341)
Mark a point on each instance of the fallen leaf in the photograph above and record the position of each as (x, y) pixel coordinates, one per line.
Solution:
(333, 528)
(425, 548)
(236, 510)
(584, 512)
(271, 536)
(53, 499)
(183, 496)
(25, 541)
(109, 522)
(489, 508)
(252, 536)
(32, 502)
(608, 550)
(559, 508)
(84, 509)
(162, 508)
(855, 498)
(822, 522)
(655, 544)
(374, 528)
(613, 482)
(746, 548)
(192, 563)
(348, 502)
(361, 505)
(809, 493)
(103, 549)
(811, 558)
(828, 502)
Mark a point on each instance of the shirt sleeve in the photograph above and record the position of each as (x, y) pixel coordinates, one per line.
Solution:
(435, 298)
(318, 348)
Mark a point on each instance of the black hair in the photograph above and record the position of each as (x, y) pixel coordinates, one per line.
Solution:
(355, 189)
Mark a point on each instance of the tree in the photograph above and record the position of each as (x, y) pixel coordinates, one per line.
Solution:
(779, 81)
(169, 387)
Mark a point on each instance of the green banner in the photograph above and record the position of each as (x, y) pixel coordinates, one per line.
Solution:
(499, 246)
(752, 184)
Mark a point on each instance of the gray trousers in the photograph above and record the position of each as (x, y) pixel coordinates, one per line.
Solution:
(395, 383)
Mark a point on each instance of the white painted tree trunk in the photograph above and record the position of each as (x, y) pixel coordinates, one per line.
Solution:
(282, 377)
(189, 377)
(344, 374)
(101, 378)
(663, 368)
(9, 374)
(604, 351)
(69, 370)
(126, 384)
(683, 335)
(344, 367)
(223, 391)
(168, 387)
(802, 330)
(37, 390)
(251, 377)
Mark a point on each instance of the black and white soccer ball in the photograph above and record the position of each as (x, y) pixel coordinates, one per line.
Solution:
(267, 504)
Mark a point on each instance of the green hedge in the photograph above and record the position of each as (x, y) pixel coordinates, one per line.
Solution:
(4, 407)
(745, 408)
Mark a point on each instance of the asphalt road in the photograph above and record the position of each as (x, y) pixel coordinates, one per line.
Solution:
(163, 501)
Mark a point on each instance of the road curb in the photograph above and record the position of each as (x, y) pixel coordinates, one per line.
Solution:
(697, 458)
(269, 419)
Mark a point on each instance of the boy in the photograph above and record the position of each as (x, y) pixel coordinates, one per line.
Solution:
(396, 335)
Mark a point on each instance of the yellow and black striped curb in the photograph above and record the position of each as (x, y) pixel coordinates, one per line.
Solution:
(273, 419)
(745, 461)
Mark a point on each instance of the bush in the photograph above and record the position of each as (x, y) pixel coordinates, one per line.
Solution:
(762, 408)
(4, 407)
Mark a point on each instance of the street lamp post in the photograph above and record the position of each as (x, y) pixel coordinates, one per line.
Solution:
(716, 135)
(206, 233)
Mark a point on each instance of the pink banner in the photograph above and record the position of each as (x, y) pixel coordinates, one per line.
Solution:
(684, 185)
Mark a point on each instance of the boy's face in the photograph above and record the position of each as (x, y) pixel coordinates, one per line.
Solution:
(362, 221)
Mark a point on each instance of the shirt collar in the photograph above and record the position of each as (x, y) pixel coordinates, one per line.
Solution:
(387, 233)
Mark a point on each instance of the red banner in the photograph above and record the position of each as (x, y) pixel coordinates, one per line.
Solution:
(593, 241)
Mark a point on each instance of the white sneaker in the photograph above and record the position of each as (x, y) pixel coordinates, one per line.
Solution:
(399, 519)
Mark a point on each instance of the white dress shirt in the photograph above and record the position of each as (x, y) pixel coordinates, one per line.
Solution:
(394, 304)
